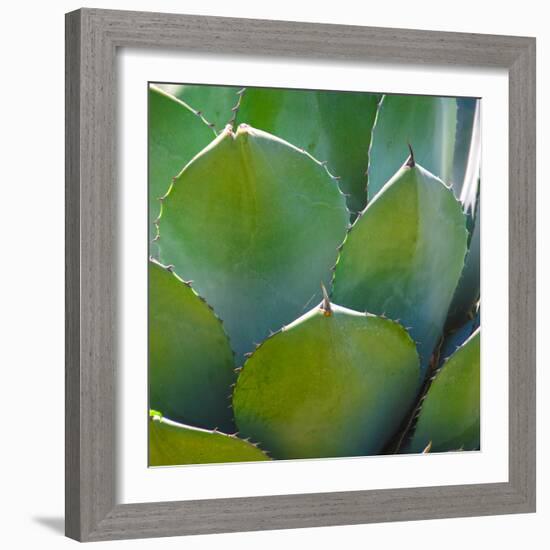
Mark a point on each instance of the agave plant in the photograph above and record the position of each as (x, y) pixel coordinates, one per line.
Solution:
(314, 274)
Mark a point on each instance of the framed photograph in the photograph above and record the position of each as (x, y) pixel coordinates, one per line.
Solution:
(300, 275)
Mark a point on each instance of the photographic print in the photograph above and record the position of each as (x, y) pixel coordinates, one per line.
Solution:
(314, 274)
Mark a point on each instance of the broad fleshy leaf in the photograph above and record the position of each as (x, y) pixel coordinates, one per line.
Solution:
(450, 417)
(191, 365)
(255, 224)
(176, 134)
(172, 444)
(334, 127)
(216, 103)
(335, 382)
(427, 123)
(404, 255)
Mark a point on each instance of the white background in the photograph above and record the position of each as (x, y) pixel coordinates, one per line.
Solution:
(32, 283)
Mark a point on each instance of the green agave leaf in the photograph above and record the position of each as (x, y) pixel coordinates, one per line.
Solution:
(333, 383)
(449, 417)
(191, 367)
(176, 135)
(454, 339)
(427, 123)
(332, 126)
(469, 193)
(404, 255)
(255, 224)
(172, 444)
(216, 103)
(466, 113)
(468, 290)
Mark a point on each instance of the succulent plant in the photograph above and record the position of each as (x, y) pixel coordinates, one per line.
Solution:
(173, 443)
(257, 255)
(177, 133)
(391, 262)
(427, 123)
(449, 416)
(306, 119)
(191, 361)
(335, 382)
(260, 200)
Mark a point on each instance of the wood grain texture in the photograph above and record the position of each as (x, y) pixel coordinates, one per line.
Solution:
(72, 278)
(92, 37)
(522, 274)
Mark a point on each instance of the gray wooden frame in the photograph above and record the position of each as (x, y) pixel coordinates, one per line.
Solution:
(92, 39)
